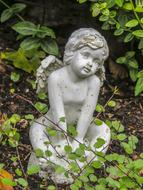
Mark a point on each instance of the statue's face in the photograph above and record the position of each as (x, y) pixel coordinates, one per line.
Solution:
(85, 61)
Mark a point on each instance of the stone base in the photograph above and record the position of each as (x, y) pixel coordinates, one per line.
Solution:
(47, 171)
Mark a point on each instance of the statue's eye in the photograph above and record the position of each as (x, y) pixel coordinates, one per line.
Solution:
(85, 55)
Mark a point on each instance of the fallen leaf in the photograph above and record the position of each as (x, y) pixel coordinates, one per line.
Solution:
(3, 118)
(118, 71)
(5, 174)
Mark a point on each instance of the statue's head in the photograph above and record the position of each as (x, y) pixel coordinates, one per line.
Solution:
(93, 40)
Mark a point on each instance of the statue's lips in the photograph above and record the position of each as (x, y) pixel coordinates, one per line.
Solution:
(87, 69)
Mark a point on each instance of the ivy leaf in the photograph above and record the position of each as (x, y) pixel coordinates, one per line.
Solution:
(96, 164)
(133, 74)
(14, 77)
(131, 23)
(6, 14)
(128, 6)
(111, 103)
(41, 107)
(138, 33)
(128, 37)
(22, 182)
(98, 122)
(100, 142)
(118, 32)
(119, 2)
(133, 64)
(25, 28)
(33, 169)
(30, 43)
(140, 46)
(39, 153)
(139, 87)
(121, 137)
(50, 47)
(18, 7)
(45, 31)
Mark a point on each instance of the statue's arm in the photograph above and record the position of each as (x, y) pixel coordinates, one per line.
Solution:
(88, 107)
(56, 101)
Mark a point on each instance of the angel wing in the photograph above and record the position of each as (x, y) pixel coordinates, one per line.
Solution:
(48, 65)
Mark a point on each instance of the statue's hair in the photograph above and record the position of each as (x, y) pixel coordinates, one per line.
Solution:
(86, 37)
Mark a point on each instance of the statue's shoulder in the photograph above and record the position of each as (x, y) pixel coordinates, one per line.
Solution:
(94, 81)
(56, 75)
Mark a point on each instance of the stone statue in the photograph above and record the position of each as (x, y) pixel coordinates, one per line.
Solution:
(73, 89)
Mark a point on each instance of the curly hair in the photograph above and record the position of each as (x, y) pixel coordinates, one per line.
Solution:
(87, 37)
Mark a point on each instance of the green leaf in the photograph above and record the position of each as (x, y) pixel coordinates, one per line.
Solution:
(133, 74)
(41, 107)
(127, 148)
(96, 164)
(33, 169)
(59, 169)
(6, 14)
(50, 47)
(130, 54)
(98, 122)
(99, 108)
(131, 23)
(133, 64)
(51, 187)
(103, 18)
(15, 77)
(39, 153)
(8, 181)
(140, 46)
(111, 103)
(121, 137)
(51, 132)
(128, 6)
(29, 117)
(74, 187)
(92, 178)
(95, 8)
(100, 142)
(18, 172)
(30, 43)
(118, 32)
(139, 86)
(42, 95)
(138, 33)
(62, 119)
(121, 60)
(139, 9)
(128, 37)
(19, 60)
(82, 1)
(48, 153)
(68, 149)
(45, 31)
(140, 74)
(119, 2)
(18, 7)
(22, 182)
(25, 28)
(72, 130)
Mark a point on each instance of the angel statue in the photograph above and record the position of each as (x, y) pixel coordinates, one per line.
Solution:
(73, 88)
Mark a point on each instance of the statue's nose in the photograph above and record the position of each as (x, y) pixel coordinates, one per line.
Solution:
(90, 63)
